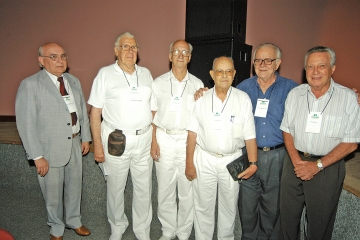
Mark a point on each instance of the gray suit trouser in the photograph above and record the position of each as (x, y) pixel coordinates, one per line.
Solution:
(61, 188)
(259, 198)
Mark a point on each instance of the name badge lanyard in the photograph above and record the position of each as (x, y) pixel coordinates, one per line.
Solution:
(137, 78)
(313, 124)
(175, 103)
(262, 105)
(134, 94)
(217, 120)
(171, 88)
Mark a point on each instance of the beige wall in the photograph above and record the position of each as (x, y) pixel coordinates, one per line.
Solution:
(87, 29)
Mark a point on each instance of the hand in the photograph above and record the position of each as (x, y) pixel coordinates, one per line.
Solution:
(306, 170)
(357, 94)
(99, 153)
(248, 172)
(42, 166)
(155, 150)
(190, 172)
(199, 93)
(85, 147)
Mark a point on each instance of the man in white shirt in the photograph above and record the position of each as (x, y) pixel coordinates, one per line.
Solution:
(172, 102)
(320, 127)
(221, 124)
(121, 95)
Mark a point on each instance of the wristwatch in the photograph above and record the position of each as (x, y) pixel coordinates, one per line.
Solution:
(253, 163)
(319, 164)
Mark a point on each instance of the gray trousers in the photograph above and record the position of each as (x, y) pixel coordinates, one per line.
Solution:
(61, 188)
(259, 197)
(320, 195)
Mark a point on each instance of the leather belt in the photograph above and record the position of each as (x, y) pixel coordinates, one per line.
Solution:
(75, 134)
(309, 155)
(266, 149)
(172, 132)
(219, 155)
(129, 132)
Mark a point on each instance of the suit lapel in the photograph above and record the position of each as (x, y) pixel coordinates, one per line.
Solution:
(50, 86)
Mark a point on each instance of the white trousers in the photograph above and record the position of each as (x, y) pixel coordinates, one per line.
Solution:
(137, 159)
(213, 178)
(170, 172)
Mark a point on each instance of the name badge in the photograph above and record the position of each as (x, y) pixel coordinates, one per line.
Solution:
(69, 100)
(175, 104)
(262, 106)
(217, 121)
(134, 94)
(313, 123)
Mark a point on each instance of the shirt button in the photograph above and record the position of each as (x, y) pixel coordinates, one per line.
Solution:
(69, 137)
(263, 136)
(68, 124)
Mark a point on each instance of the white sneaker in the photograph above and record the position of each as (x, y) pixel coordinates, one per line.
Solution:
(166, 238)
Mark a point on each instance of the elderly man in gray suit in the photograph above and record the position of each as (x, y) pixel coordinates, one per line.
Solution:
(53, 124)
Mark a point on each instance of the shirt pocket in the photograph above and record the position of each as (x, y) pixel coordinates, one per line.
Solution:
(237, 127)
(334, 126)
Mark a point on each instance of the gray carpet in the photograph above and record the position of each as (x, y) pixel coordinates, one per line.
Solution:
(22, 208)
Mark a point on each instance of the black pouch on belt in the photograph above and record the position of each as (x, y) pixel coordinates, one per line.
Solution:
(116, 143)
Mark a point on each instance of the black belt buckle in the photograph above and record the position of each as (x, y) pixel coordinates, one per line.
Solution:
(308, 155)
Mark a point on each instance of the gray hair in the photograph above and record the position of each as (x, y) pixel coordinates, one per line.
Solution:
(190, 46)
(126, 34)
(276, 48)
(321, 49)
(222, 57)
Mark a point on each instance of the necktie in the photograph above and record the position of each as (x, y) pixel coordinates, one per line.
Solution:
(63, 93)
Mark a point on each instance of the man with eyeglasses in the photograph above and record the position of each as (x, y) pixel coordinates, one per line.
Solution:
(221, 124)
(171, 106)
(53, 124)
(321, 126)
(120, 95)
(259, 195)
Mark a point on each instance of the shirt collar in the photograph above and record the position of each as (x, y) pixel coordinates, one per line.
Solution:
(186, 78)
(308, 89)
(53, 77)
(119, 70)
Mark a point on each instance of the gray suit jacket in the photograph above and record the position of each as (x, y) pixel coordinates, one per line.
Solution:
(43, 119)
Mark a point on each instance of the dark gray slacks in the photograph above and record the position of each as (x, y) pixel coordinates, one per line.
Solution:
(61, 188)
(259, 197)
(320, 195)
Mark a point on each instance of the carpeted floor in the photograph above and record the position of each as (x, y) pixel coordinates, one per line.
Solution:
(22, 208)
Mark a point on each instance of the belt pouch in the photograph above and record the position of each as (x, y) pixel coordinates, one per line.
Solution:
(116, 143)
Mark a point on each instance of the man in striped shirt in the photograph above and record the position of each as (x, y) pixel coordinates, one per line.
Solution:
(320, 127)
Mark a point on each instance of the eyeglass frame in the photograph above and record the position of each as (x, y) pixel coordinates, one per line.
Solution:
(185, 53)
(126, 47)
(55, 57)
(264, 61)
(228, 72)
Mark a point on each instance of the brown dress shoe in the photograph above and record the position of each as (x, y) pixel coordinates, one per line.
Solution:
(82, 231)
(52, 237)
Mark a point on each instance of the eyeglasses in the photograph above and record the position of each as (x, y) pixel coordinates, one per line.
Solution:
(55, 57)
(185, 53)
(127, 47)
(228, 72)
(267, 61)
